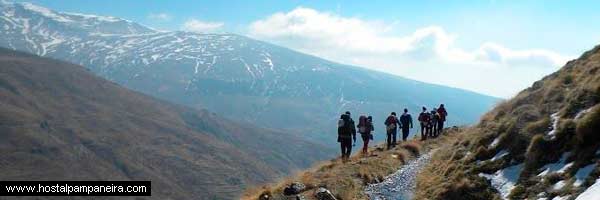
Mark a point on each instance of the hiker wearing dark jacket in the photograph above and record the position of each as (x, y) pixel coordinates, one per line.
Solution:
(443, 113)
(346, 133)
(435, 118)
(353, 127)
(406, 122)
(365, 127)
(391, 124)
(424, 119)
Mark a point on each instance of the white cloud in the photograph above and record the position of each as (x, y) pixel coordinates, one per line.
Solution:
(160, 16)
(195, 25)
(427, 50)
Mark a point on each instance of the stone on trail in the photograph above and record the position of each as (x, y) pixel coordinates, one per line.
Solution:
(294, 189)
(324, 194)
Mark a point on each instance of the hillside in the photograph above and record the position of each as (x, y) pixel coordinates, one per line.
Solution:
(235, 76)
(60, 122)
(542, 144)
(354, 179)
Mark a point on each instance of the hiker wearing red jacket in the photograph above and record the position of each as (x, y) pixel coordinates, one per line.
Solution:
(365, 127)
(442, 113)
(391, 124)
(424, 119)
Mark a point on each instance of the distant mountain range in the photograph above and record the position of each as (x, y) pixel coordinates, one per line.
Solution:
(241, 78)
(60, 122)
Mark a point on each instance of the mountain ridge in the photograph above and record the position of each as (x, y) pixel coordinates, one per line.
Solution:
(543, 143)
(58, 118)
(231, 74)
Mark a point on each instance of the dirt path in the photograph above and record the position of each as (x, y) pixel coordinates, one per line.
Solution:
(399, 185)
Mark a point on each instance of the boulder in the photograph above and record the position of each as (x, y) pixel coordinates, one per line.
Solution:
(265, 196)
(294, 189)
(324, 194)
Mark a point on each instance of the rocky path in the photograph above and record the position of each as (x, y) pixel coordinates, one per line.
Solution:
(399, 185)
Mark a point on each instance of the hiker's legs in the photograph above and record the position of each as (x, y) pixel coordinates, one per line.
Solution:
(434, 128)
(343, 148)
(389, 139)
(440, 127)
(346, 148)
(423, 134)
(405, 133)
(429, 132)
(395, 132)
(365, 144)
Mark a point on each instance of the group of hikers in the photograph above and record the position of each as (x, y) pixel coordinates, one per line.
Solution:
(432, 125)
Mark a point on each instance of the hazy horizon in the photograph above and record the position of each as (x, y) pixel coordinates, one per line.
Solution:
(492, 47)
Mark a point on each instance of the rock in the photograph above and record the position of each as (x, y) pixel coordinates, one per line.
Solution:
(324, 194)
(264, 196)
(294, 188)
(300, 197)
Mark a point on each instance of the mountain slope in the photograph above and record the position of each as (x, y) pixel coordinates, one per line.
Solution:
(241, 78)
(542, 144)
(60, 122)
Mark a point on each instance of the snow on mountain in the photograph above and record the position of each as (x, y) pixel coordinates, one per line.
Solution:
(233, 75)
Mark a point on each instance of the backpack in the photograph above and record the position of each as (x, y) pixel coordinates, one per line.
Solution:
(391, 123)
(424, 117)
(443, 113)
(435, 118)
(363, 124)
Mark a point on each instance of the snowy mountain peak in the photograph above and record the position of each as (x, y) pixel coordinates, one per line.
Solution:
(216, 71)
(15, 13)
(45, 12)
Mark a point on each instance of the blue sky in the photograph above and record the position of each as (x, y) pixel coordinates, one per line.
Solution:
(456, 43)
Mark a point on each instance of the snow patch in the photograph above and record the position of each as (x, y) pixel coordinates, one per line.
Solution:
(554, 118)
(504, 180)
(559, 166)
(581, 113)
(583, 173)
(499, 155)
(591, 193)
(267, 59)
(96, 17)
(45, 12)
(495, 142)
(561, 197)
(559, 185)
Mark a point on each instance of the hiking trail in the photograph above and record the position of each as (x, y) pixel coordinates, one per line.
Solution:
(401, 184)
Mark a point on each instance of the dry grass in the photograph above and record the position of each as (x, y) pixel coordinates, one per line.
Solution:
(522, 124)
(347, 180)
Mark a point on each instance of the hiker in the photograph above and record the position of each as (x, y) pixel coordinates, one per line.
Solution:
(443, 113)
(435, 118)
(424, 120)
(391, 124)
(352, 123)
(365, 126)
(406, 122)
(345, 135)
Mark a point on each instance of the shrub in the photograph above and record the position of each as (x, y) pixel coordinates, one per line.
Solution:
(413, 148)
(538, 127)
(467, 188)
(483, 153)
(535, 154)
(519, 192)
(568, 79)
(565, 130)
(588, 128)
